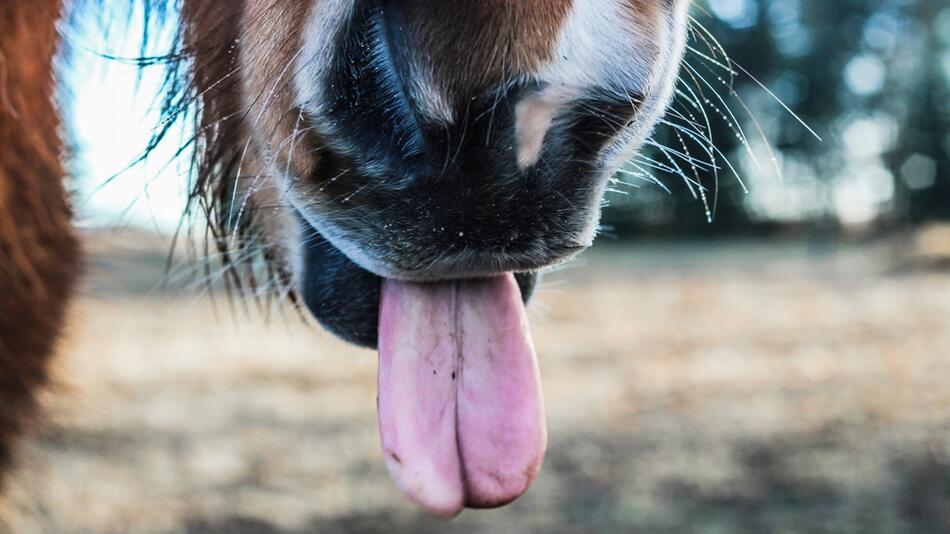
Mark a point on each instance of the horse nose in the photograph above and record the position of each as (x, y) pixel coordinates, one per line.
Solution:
(416, 88)
(463, 47)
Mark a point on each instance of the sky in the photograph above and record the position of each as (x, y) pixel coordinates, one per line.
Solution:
(109, 108)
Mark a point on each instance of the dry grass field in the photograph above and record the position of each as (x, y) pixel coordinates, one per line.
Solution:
(721, 387)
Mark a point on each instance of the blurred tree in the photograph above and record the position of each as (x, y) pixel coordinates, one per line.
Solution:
(870, 76)
(921, 158)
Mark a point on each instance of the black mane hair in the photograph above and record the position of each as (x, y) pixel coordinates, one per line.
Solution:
(197, 69)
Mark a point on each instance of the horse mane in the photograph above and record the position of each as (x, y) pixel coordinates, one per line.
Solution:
(200, 89)
(39, 253)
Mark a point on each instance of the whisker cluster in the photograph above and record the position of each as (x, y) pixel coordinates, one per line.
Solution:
(685, 146)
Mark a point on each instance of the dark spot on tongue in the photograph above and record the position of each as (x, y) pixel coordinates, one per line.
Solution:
(479, 439)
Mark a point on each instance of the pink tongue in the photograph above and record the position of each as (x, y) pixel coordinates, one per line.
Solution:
(460, 408)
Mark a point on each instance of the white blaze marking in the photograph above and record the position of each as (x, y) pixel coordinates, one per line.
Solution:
(533, 118)
(604, 45)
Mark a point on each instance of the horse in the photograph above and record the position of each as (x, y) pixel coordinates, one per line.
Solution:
(402, 169)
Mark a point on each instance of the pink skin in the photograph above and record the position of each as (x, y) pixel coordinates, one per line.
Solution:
(460, 407)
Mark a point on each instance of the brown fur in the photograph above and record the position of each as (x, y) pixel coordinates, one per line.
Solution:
(457, 34)
(268, 66)
(38, 251)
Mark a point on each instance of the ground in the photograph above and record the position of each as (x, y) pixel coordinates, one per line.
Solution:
(715, 387)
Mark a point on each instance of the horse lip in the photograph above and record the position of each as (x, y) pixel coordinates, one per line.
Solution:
(343, 296)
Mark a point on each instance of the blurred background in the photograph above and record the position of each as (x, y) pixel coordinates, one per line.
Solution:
(871, 77)
(759, 342)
